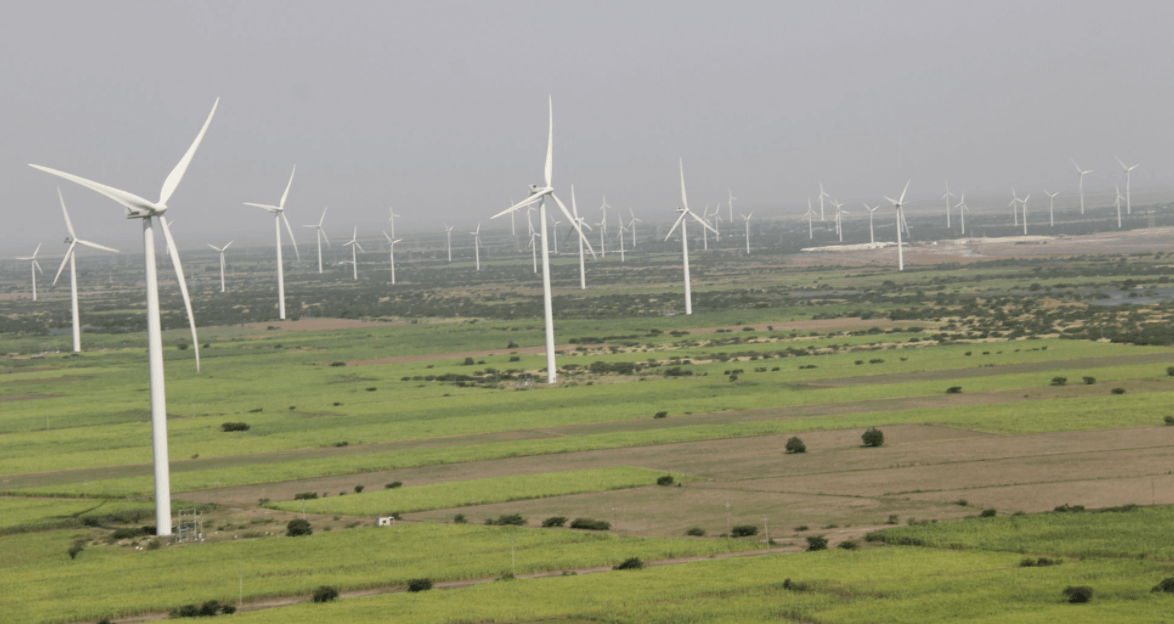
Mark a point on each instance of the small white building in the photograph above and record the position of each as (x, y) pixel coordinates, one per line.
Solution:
(384, 520)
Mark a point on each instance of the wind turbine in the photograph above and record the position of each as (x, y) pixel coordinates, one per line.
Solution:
(1051, 207)
(704, 233)
(621, 237)
(554, 239)
(746, 218)
(1014, 205)
(871, 237)
(392, 243)
(731, 202)
(74, 241)
(961, 206)
(476, 234)
(632, 226)
(279, 216)
(603, 229)
(947, 197)
(681, 221)
(897, 203)
(1023, 202)
(36, 266)
(1081, 173)
(1119, 198)
(835, 204)
(448, 235)
(810, 213)
(822, 194)
(538, 196)
(139, 208)
(1128, 172)
(221, 250)
(353, 243)
(390, 219)
(579, 223)
(321, 234)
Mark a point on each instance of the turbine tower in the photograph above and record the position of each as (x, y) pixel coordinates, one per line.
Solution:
(822, 194)
(1128, 173)
(538, 196)
(731, 202)
(353, 243)
(448, 235)
(320, 234)
(279, 216)
(603, 229)
(621, 237)
(871, 236)
(632, 226)
(683, 222)
(221, 250)
(962, 209)
(837, 205)
(1080, 174)
(36, 266)
(1118, 203)
(139, 208)
(579, 223)
(1051, 207)
(1023, 203)
(746, 218)
(390, 219)
(947, 197)
(810, 214)
(898, 203)
(476, 234)
(392, 243)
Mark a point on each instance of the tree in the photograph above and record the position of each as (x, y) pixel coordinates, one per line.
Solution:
(633, 563)
(298, 527)
(873, 437)
(795, 445)
(325, 593)
(816, 542)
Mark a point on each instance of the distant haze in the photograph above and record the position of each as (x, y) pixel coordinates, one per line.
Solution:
(439, 109)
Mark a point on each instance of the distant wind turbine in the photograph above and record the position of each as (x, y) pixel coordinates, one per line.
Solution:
(221, 251)
(1014, 205)
(448, 236)
(746, 218)
(898, 203)
(1051, 207)
(871, 237)
(621, 237)
(837, 205)
(321, 234)
(279, 216)
(391, 243)
(731, 203)
(1128, 173)
(139, 208)
(822, 194)
(36, 266)
(809, 214)
(353, 243)
(632, 226)
(476, 234)
(1119, 198)
(390, 219)
(578, 223)
(603, 229)
(1023, 204)
(947, 197)
(683, 222)
(962, 211)
(1080, 173)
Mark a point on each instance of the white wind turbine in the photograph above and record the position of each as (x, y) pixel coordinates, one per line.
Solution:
(538, 196)
(822, 194)
(717, 222)
(74, 241)
(390, 219)
(353, 243)
(221, 250)
(1118, 203)
(603, 229)
(392, 243)
(1051, 207)
(621, 237)
(731, 202)
(476, 234)
(139, 208)
(448, 236)
(533, 237)
(962, 209)
(704, 233)
(321, 234)
(278, 212)
(947, 197)
(36, 266)
(1128, 173)
(746, 218)
(632, 226)
(871, 236)
(683, 222)
(553, 228)
(1023, 204)
(1080, 174)
(810, 214)
(835, 204)
(1014, 205)
(898, 203)
(578, 223)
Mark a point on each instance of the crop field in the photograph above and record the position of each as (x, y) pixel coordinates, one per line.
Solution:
(1002, 384)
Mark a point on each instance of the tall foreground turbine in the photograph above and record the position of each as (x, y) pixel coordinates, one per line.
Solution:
(279, 216)
(74, 241)
(320, 234)
(683, 222)
(538, 196)
(898, 203)
(35, 266)
(139, 208)
(221, 250)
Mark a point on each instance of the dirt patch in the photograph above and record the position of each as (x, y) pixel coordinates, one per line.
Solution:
(430, 357)
(45, 380)
(27, 397)
(318, 324)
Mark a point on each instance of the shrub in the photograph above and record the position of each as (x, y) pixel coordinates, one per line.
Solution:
(801, 527)
(1167, 586)
(338, 363)
(507, 520)
(358, 489)
(554, 521)
(892, 519)
(795, 445)
(234, 426)
(873, 437)
(744, 530)
(816, 542)
(75, 550)
(590, 525)
(988, 513)
(468, 362)
(1118, 390)
(298, 527)
(515, 358)
(665, 480)
(1170, 371)
(954, 390)
(105, 620)
(1059, 381)
(1078, 594)
(848, 545)
(632, 563)
(790, 585)
(962, 502)
(393, 485)
(459, 519)
(419, 585)
(661, 415)
(325, 593)
(1169, 420)
(1068, 508)
(306, 496)
(1088, 381)
(696, 532)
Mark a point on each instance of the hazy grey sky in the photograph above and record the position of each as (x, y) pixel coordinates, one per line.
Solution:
(439, 108)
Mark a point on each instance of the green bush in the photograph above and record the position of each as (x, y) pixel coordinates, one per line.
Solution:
(696, 532)
(1166, 586)
(1170, 371)
(419, 585)
(873, 437)
(358, 489)
(393, 485)
(816, 542)
(1088, 381)
(1078, 594)
(590, 525)
(234, 426)
(795, 445)
(306, 496)
(1169, 420)
(988, 513)
(665, 480)
(120, 534)
(661, 415)
(325, 593)
(790, 585)
(632, 563)
(744, 530)
(954, 390)
(298, 527)
(848, 545)
(1059, 381)
(1118, 390)
(507, 520)
(554, 521)
(75, 550)
(459, 519)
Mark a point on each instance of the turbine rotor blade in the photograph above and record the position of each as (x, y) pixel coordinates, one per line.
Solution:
(678, 222)
(289, 184)
(902, 201)
(701, 221)
(129, 200)
(550, 144)
(290, 230)
(64, 261)
(176, 174)
(265, 206)
(518, 206)
(96, 245)
(68, 224)
(183, 288)
(684, 201)
(574, 223)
